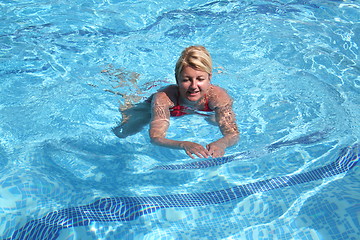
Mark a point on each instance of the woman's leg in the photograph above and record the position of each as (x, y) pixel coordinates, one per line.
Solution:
(133, 119)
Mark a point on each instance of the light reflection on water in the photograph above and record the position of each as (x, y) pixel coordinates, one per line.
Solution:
(291, 68)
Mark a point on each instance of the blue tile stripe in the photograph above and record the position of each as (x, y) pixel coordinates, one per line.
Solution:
(307, 139)
(130, 208)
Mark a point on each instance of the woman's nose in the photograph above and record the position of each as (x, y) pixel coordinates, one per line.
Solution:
(193, 84)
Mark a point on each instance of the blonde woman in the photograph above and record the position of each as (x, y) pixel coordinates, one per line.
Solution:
(193, 94)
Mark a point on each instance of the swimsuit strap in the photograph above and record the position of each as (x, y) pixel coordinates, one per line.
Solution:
(206, 106)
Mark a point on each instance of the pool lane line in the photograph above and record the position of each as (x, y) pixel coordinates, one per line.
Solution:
(126, 209)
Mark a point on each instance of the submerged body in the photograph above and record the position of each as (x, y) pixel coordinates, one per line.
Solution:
(193, 93)
(214, 98)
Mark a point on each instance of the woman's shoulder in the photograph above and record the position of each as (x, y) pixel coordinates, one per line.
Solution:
(218, 96)
(217, 92)
(167, 94)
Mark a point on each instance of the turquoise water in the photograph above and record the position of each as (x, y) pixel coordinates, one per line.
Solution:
(292, 68)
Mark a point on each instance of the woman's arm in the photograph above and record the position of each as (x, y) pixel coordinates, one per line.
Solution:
(160, 120)
(159, 125)
(225, 117)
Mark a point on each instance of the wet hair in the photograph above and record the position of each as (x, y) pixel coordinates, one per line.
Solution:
(196, 57)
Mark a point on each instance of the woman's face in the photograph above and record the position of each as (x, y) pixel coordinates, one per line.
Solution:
(193, 84)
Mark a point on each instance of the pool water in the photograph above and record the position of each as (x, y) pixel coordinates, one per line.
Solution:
(291, 67)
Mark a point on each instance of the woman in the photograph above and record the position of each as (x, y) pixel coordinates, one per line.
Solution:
(193, 93)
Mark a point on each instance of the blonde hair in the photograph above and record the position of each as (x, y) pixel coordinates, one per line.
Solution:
(196, 57)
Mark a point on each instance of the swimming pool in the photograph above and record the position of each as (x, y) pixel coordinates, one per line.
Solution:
(292, 68)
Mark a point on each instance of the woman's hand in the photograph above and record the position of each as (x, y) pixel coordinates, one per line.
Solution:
(194, 148)
(216, 149)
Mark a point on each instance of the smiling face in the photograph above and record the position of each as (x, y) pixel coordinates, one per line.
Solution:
(193, 84)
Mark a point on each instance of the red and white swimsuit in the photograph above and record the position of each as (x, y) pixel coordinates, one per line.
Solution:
(179, 110)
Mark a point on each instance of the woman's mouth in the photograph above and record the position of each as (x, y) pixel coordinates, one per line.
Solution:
(194, 93)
